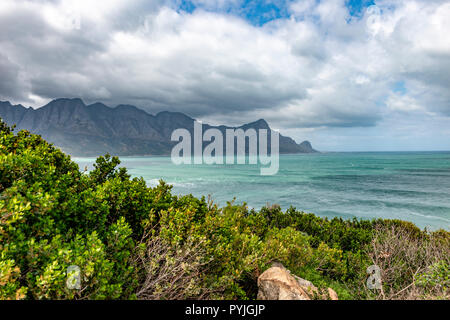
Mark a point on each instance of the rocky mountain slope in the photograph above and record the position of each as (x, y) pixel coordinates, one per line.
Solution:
(92, 130)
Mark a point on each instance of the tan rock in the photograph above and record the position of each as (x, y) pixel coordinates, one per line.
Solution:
(332, 294)
(276, 283)
(311, 290)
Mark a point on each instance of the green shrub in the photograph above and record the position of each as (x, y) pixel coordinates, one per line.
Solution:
(435, 280)
(131, 241)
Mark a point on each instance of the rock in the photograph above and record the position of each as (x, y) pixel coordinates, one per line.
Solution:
(307, 286)
(276, 263)
(276, 283)
(332, 294)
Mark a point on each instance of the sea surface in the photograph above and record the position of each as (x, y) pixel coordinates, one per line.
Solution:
(412, 186)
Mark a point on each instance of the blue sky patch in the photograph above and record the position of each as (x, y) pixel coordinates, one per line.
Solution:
(260, 12)
(356, 8)
(399, 87)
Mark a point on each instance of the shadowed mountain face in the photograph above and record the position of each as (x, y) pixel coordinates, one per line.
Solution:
(97, 129)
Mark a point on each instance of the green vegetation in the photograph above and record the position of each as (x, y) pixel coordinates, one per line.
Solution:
(136, 242)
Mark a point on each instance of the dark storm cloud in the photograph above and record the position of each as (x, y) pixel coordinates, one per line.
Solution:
(11, 86)
(312, 70)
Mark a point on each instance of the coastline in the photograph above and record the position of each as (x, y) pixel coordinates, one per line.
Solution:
(386, 185)
(131, 241)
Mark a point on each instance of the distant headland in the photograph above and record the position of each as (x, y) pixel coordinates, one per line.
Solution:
(96, 129)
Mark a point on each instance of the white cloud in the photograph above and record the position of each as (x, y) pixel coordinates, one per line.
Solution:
(401, 103)
(320, 68)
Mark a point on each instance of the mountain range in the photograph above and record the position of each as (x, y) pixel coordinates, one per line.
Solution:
(96, 129)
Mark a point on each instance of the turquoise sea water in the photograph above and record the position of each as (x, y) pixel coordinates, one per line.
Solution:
(412, 186)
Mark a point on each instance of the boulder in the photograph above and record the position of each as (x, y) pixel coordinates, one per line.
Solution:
(277, 283)
(332, 294)
(311, 290)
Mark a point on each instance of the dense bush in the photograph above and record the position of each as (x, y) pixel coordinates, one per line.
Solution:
(136, 242)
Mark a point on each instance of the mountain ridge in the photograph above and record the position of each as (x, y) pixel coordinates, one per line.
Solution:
(124, 130)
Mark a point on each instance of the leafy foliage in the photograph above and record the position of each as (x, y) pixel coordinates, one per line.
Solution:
(131, 241)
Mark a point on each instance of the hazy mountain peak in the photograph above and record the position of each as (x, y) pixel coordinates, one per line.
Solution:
(124, 130)
(307, 147)
(9, 104)
(64, 104)
(169, 114)
(67, 100)
(5, 103)
(127, 107)
(98, 105)
(261, 124)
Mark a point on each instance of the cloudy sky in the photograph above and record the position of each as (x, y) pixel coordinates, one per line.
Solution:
(346, 75)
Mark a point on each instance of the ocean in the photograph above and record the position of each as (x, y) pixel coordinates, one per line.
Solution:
(411, 186)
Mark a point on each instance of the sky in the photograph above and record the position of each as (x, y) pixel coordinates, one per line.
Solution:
(355, 75)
